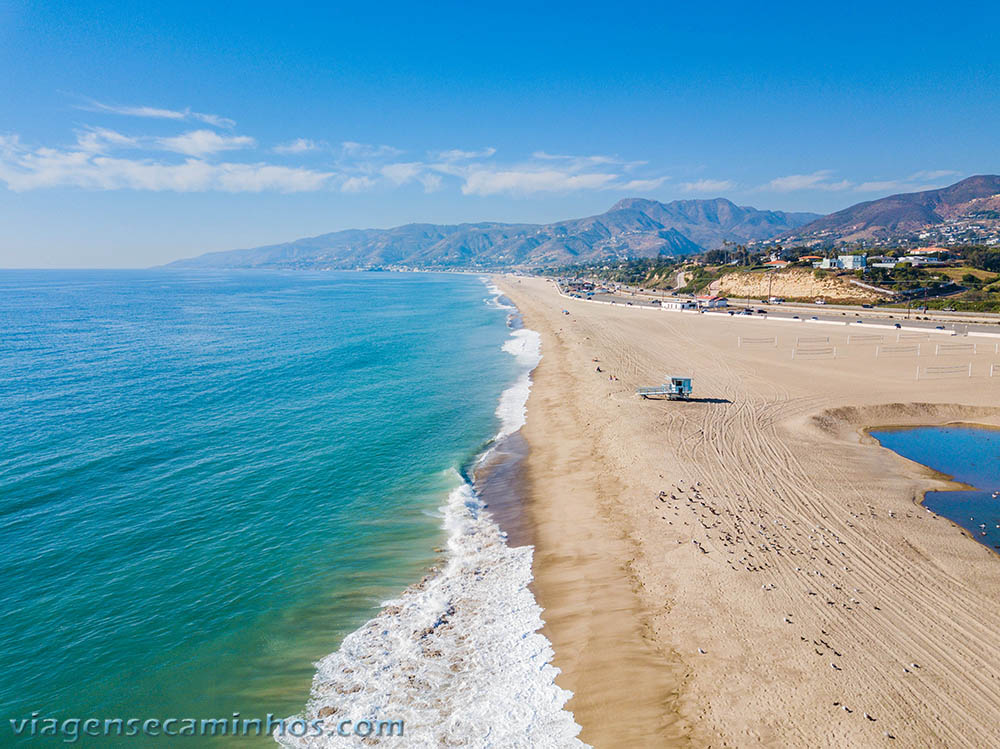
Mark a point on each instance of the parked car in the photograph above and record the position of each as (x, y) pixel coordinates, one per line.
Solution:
(866, 306)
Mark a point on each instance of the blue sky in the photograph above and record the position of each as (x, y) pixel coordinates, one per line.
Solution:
(135, 133)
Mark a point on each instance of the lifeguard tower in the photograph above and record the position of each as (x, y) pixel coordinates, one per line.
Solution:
(675, 389)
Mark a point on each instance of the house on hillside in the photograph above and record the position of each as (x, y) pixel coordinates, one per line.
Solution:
(843, 262)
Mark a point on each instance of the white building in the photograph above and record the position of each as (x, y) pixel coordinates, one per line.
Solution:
(710, 302)
(919, 260)
(852, 262)
(678, 304)
(843, 262)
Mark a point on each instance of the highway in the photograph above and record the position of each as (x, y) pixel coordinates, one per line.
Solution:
(961, 323)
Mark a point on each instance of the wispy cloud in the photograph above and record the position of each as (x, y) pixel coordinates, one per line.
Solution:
(482, 181)
(299, 145)
(102, 158)
(205, 143)
(457, 154)
(821, 180)
(926, 179)
(159, 113)
(642, 185)
(708, 185)
(24, 168)
(353, 149)
(101, 140)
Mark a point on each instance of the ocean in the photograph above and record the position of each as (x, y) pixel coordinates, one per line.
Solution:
(969, 454)
(209, 482)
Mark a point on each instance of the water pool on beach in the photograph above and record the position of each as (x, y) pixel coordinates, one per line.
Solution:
(207, 480)
(969, 454)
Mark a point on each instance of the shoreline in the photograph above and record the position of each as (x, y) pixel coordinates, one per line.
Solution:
(459, 653)
(780, 459)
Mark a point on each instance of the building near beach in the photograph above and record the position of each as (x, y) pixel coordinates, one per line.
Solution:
(708, 301)
(678, 304)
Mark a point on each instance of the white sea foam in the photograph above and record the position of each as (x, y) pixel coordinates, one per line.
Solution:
(457, 657)
(525, 345)
(497, 299)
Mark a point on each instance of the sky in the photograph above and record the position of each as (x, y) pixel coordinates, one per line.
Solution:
(132, 134)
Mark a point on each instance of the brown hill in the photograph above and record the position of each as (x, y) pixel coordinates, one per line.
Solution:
(903, 213)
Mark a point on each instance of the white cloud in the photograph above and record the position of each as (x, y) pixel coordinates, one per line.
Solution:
(820, 180)
(457, 154)
(643, 185)
(482, 181)
(159, 113)
(403, 172)
(204, 143)
(933, 174)
(23, 168)
(299, 145)
(880, 186)
(914, 183)
(708, 185)
(357, 184)
(355, 150)
(95, 162)
(100, 140)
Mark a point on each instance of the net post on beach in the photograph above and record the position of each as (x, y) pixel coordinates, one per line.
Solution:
(771, 341)
(900, 337)
(954, 348)
(939, 372)
(897, 350)
(816, 352)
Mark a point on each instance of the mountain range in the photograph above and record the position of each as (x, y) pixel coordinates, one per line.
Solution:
(633, 227)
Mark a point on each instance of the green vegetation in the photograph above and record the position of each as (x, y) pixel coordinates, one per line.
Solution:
(968, 278)
(652, 273)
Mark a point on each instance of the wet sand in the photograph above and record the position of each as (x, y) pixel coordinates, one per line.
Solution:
(751, 568)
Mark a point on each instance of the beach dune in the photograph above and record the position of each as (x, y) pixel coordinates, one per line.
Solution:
(750, 568)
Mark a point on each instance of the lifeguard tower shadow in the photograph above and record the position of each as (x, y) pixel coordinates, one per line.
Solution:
(658, 397)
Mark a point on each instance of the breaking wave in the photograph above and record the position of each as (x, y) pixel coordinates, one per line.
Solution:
(457, 657)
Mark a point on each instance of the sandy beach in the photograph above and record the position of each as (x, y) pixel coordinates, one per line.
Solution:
(750, 568)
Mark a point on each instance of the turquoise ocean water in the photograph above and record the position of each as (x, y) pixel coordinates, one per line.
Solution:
(208, 480)
(969, 454)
